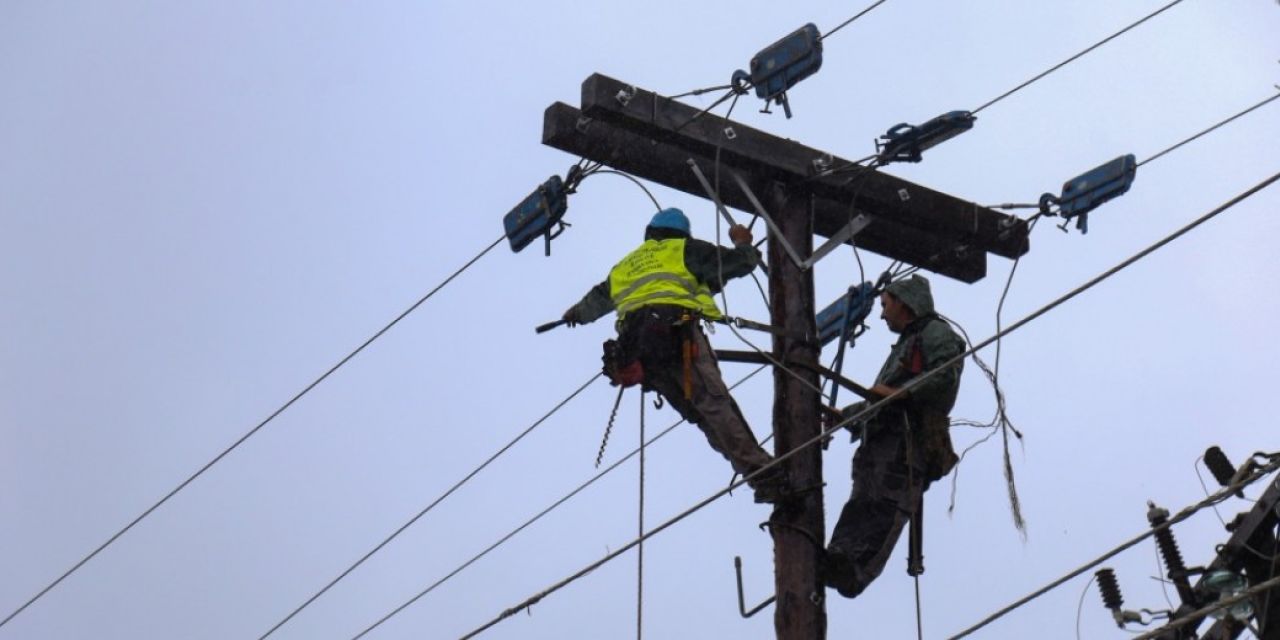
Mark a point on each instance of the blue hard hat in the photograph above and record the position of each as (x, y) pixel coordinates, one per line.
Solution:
(670, 219)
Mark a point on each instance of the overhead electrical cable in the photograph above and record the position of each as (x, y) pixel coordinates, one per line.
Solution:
(904, 389)
(1076, 56)
(1210, 129)
(850, 20)
(429, 507)
(249, 434)
(858, 164)
(503, 540)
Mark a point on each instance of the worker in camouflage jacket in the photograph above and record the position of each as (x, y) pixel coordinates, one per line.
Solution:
(905, 443)
(662, 291)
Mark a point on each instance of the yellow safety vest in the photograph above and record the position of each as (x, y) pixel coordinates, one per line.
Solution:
(656, 274)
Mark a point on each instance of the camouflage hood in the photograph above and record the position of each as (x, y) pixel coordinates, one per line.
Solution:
(913, 292)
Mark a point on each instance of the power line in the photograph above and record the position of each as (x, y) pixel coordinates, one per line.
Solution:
(904, 389)
(1076, 56)
(537, 517)
(1210, 129)
(1174, 147)
(1220, 496)
(850, 20)
(429, 507)
(246, 436)
(1034, 79)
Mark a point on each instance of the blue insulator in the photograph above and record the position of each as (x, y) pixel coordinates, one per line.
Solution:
(781, 65)
(906, 142)
(537, 215)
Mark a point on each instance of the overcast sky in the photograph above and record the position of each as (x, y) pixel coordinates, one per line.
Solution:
(205, 205)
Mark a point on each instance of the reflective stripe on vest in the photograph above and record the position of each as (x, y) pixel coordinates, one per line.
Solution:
(655, 273)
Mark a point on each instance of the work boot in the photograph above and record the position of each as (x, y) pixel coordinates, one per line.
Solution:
(838, 572)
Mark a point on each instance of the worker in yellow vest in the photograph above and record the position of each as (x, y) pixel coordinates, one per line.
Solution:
(661, 292)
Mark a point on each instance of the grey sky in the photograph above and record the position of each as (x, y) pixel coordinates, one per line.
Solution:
(203, 206)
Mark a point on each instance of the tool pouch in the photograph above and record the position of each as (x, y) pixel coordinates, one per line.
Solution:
(648, 338)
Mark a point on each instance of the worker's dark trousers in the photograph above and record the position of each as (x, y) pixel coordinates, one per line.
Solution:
(710, 406)
(886, 492)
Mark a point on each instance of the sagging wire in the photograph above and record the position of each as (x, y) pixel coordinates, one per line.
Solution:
(907, 388)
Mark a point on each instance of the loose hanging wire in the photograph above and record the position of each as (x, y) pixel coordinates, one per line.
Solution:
(907, 388)
(218, 458)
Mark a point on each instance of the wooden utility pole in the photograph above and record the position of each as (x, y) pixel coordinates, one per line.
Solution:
(797, 525)
(659, 139)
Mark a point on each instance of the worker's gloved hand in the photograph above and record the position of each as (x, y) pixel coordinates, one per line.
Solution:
(571, 317)
(855, 426)
(740, 234)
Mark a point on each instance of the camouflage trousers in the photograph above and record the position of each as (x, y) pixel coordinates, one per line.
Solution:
(887, 489)
(709, 406)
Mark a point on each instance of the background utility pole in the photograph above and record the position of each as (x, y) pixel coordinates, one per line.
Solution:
(797, 525)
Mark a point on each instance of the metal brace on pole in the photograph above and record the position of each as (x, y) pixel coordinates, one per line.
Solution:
(711, 193)
(840, 237)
